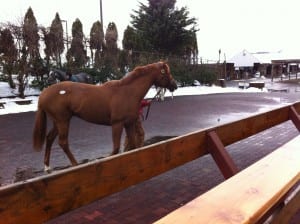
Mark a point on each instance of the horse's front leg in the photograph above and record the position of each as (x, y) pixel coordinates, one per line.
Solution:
(116, 137)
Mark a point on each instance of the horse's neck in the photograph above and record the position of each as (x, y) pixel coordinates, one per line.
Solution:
(140, 83)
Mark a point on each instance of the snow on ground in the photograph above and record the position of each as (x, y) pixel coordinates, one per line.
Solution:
(11, 107)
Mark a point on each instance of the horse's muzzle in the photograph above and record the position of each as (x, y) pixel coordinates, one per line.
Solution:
(172, 86)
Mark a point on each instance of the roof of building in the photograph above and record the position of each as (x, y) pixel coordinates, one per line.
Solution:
(244, 59)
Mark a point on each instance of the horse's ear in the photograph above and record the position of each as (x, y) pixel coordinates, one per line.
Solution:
(165, 69)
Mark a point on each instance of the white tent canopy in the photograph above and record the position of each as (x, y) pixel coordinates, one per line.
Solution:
(244, 59)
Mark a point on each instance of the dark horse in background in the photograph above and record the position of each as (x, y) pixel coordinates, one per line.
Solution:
(57, 75)
(115, 103)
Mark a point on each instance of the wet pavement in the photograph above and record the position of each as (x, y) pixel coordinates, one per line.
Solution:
(150, 200)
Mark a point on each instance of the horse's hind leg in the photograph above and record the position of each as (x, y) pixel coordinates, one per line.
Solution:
(63, 132)
(49, 141)
(116, 136)
(131, 136)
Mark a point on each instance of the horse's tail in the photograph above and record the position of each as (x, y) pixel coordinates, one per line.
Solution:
(39, 131)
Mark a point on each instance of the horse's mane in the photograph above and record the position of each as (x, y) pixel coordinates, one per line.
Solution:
(138, 72)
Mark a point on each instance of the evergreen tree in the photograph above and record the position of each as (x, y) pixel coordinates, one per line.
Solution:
(30, 55)
(111, 50)
(111, 36)
(55, 40)
(131, 43)
(96, 43)
(130, 39)
(76, 55)
(163, 28)
(30, 35)
(8, 54)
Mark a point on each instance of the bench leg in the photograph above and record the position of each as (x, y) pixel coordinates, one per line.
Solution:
(294, 116)
(220, 155)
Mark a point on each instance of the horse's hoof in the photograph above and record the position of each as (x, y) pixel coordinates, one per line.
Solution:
(47, 169)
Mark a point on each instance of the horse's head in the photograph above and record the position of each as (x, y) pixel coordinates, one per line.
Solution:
(164, 78)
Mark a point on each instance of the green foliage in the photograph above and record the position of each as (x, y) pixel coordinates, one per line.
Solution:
(186, 74)
(104, 74)
(130, 39)
(163, 28)
(206, 76)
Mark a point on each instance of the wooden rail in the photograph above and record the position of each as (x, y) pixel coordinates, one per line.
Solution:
(249, 195)
(43, 198)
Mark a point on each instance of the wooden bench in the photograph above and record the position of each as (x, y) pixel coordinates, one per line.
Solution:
(259, 85)
(43, 198)
(249, 195)
(23, 102)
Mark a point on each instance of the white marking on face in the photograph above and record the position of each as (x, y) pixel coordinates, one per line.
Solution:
(62, 92)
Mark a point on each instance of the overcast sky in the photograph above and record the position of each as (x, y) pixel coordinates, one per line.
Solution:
(231, 25)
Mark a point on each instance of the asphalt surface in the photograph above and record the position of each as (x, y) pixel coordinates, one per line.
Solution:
(152, 199)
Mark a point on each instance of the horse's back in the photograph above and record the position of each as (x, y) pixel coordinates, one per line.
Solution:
(90, 102)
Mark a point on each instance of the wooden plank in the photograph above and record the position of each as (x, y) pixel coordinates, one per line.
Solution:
(49, 196)
(247, 196)
(238, 130)
(297, 107)
(294, 116)
(220, 155)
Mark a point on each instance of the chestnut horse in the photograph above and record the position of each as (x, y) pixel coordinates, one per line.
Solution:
(115, 103)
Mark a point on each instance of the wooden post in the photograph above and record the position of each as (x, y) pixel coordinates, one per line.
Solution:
(220, 155)
(295, 118)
